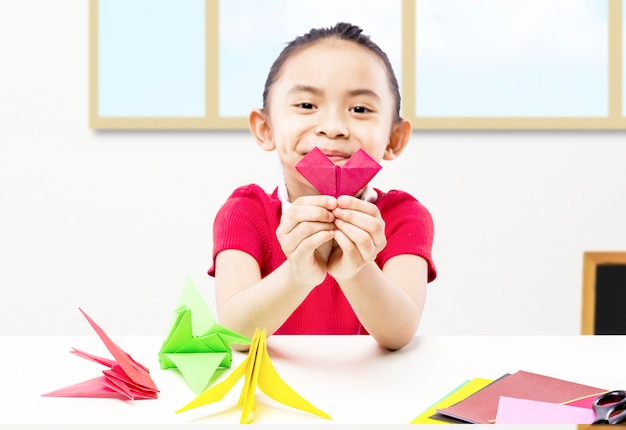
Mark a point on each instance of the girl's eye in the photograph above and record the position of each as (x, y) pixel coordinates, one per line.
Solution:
(305, 106)
(360, 109)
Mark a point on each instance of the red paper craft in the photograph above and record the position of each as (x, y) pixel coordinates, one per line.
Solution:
(333, 180)
(125, 378)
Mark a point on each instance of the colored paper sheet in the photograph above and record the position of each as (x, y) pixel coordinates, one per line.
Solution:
(257, 371)
(197, 345)
(583, 402)
(124, 379)
(461, 392)
(481, 407)
(330, 179)
(524, 411)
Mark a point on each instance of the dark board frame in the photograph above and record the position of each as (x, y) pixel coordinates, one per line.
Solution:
(592, 263)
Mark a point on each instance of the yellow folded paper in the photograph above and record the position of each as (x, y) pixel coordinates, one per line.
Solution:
(259, 371)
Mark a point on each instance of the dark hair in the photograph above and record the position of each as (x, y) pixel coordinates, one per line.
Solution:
(340, 31)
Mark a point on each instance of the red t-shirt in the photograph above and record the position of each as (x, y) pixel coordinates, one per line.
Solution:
(248, 222)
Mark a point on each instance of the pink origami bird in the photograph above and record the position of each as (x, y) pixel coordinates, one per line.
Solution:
(125, 378)
(333, 180)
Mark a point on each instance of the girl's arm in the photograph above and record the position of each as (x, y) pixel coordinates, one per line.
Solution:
(246, 301)
(389, 302)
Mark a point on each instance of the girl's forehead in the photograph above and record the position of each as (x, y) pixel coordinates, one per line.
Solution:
(331, 47)
(332, 44)
(332, 64)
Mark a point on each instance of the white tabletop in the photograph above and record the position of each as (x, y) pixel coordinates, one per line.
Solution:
(348, 377)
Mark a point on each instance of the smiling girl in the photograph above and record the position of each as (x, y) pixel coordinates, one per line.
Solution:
(297, 262)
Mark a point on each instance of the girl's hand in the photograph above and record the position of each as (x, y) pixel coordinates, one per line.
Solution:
(360, 236)
(305, 234)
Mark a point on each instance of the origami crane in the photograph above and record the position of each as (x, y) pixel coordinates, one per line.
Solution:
(257, 369)
(196, 345)
(333, 180)
(125, 379)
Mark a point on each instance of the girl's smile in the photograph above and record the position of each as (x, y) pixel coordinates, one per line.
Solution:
(336, 157)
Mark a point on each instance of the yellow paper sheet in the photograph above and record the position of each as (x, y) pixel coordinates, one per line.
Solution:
(461, 392)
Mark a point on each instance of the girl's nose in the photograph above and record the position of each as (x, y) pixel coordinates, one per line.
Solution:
(333, 127)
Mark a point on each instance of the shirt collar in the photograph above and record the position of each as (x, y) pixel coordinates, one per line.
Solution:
(369, 194)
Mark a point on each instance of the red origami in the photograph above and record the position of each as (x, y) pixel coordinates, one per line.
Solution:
(125, 378)
(336, 181)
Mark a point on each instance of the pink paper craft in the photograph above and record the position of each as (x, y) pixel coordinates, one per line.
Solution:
(523, 411)
(333, 180)
(125, 378)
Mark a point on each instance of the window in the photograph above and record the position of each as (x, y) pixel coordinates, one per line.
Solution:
(461, 64)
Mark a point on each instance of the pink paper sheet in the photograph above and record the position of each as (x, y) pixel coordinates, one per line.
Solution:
(524, 411)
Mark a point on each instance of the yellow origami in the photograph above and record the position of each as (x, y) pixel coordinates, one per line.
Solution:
(258, 371)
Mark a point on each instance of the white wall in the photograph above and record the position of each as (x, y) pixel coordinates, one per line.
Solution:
(114, 222)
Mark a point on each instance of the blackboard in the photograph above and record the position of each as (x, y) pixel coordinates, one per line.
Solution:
(604, 293)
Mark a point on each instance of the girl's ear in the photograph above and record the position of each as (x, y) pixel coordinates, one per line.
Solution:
(261, 130)
(398, 139)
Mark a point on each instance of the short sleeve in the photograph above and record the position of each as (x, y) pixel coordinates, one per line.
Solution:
(409, 229)
(243, 223)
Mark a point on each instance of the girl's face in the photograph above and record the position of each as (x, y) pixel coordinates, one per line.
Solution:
(333, 95)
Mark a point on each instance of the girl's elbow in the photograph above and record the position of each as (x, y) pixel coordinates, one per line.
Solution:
(397, 342)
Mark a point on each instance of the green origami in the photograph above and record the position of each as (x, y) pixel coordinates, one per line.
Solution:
(197, 345)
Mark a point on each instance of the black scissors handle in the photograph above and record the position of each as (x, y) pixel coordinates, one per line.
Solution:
(610, 408)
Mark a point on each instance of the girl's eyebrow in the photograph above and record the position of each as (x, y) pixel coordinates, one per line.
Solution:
(363, 92)
(317, 91)
(305, 89)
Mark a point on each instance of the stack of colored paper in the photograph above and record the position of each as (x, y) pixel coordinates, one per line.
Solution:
(518, 398)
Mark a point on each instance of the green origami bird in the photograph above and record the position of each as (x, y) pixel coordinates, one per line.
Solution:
(197, 345)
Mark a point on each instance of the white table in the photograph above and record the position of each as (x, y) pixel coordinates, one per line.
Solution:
(349, 377)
